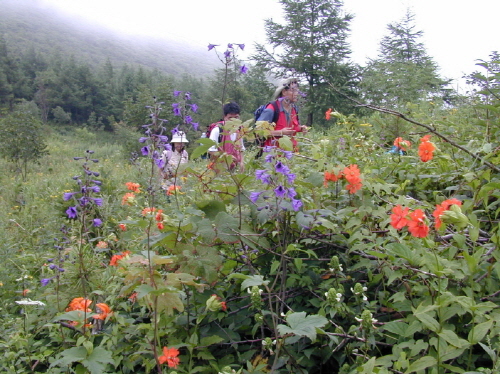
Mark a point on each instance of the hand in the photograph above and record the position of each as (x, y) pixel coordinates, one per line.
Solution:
(304, 129)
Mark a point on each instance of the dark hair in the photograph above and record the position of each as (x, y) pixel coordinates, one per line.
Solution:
(232, 108)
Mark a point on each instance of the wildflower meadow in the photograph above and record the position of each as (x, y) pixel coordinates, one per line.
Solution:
(344, 258)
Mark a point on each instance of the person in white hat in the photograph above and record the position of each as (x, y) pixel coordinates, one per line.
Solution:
(173, 158)
(283, 112)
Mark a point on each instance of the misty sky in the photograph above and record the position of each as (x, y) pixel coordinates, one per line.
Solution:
(455, 34)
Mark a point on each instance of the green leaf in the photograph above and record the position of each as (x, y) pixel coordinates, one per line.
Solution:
(302, 325)
(209, 340)
(422, 313)
(97, 360)
(254, 280)
(479, 331)
(453, 339)
(75, 354)
(421, 364)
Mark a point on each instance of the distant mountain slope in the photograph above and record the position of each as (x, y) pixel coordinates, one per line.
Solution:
(23, 23)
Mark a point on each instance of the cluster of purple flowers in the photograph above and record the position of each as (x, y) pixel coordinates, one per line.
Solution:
(184, 109)
(230, 54)
(55, 264)
(278, 178)
(84, 199)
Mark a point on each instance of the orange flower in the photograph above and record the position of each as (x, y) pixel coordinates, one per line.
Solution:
(128, 198)
(172, 189)
(148, 210)
(331, 177)
(416, 225)
(105, 311)
(399, 217)
(79, 303)
(133, 187)
(159, 215)
(115, 258)
(122, 226)
(440, 208)
(328, 114)
(426, 149)
(132, 298)
(223, 305)
(25, 292)
(401, 143)
(160, 225)
(352, 175)
(101, 244)
(170, 357)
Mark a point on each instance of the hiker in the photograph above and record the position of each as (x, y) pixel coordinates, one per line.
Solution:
(172, 159)
(287, 121)
(228, 142)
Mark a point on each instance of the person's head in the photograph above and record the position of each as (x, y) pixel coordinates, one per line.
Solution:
(287, 88)
(179, 140)
(231, 110)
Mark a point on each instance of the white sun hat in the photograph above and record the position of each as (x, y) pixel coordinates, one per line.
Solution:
(179, 137)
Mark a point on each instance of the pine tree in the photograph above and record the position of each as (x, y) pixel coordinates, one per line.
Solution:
(403, 72)
(312, 43)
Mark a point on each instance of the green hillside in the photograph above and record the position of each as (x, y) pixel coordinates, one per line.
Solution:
(24, 23)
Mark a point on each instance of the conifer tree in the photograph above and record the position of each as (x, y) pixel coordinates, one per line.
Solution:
(403, 72)
(311, 43)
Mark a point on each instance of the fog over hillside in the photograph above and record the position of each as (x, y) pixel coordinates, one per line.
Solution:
(26, 23)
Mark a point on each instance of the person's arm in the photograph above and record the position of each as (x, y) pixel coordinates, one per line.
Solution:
(214, 135)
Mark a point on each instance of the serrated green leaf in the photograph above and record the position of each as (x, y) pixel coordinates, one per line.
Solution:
(421, 364)
(253, 280)
(302, 325)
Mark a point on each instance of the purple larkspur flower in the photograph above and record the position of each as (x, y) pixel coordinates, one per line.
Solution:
(45, 281)
(254, 196)
(212, 46)
(72, 212)
(296, 204)
(187, 96)
(291, 177)
(177, 111)
(243, 69)
(163, 138)
(94, 189)
(268, 148)
(188, 119)
(280, 191)
(160, 162)
(68, 195)
(97, 201)
(145, 150)
(96, 222)
(52, 266)
(168, 147)
(177, 93)
(227, 54)
(242, 46)
(84, 200)
(288, 154)
(281, 168)
(291, 192)
(95, 173)
(175, 130)
(263, 176)
(143, 139)
(194, 108)
(230, 45)
(97, 182)
(195, 125)
(269, 157)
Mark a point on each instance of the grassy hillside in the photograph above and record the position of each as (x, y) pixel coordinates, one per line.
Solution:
(23, 23)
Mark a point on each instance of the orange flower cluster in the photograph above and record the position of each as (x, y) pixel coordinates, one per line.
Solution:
(426, 149)
(158, 216)
(402, 144)
(328, 114)
(441, 208)
(115, 258)
(172, 189)
(79, 303)
(105, 311)
(122, 226)
(170, 357)
(134, 187)
(415, 221)
(351, 173)
(128, 198)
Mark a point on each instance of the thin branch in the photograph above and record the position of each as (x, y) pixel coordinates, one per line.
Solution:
(427, 127)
